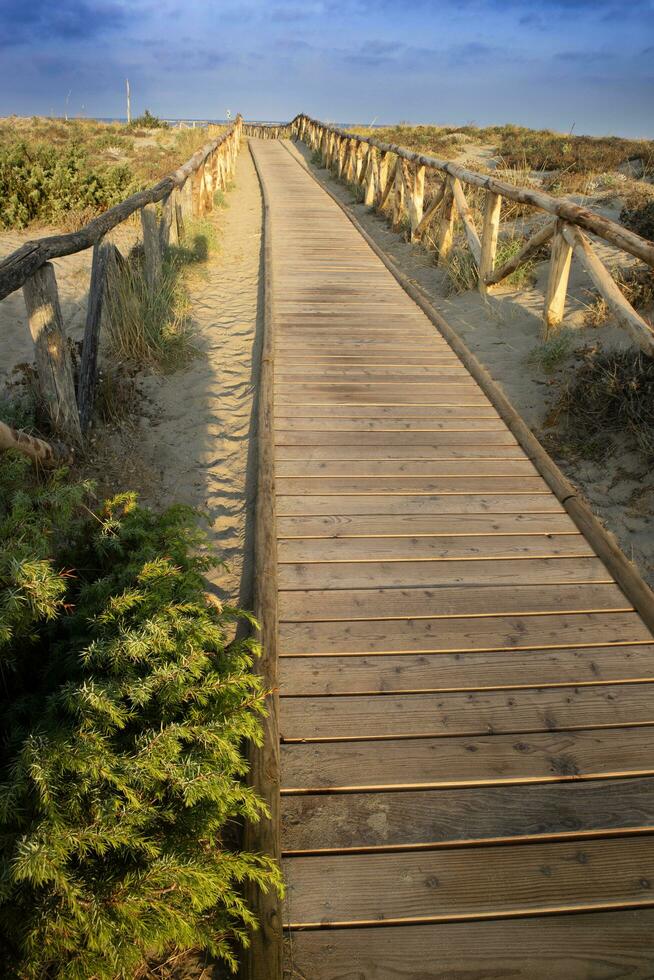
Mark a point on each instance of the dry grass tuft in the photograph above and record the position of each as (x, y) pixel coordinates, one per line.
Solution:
(609, 401)
(150, 326)
(550, 354)
(637, 286)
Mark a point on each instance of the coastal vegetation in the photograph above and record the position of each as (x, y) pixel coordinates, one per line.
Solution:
(61, 173)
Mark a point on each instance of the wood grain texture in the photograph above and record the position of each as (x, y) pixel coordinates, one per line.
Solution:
(599, 946)
(457, 667)
(320, 605)
(316, 675)
(467, 713)
(486, 760)
(445, 885)
(438, 818)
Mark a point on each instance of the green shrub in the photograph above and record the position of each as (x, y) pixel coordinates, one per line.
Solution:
(45, 182)
(123, 711)
(552, 352)
(148, 121)
(541, 149)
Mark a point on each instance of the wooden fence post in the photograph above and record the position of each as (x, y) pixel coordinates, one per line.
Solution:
(416, 197)
(358, 161)
(557, 280)
(196, 201)
(638, 328)
(151, 246)
(88, 372)
(370, 177)
(382, 177)
(398, 196)
(53, 363)
(166, 225)
(446, 224)
(489, 236)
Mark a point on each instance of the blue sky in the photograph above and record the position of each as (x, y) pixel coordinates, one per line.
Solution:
(557, 63)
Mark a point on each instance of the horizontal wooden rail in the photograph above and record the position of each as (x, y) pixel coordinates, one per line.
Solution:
(17, 267)
(604, 228)
(393, 177)
(267, 132)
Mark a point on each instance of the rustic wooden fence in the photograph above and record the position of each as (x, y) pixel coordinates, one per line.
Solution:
(393, 179)
(266, 132)
(187, 192)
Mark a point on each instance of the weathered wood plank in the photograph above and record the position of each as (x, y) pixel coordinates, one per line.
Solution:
(445, 817)
(420, 485)
(597, 946)
(442, 885)
(320, 676)
(464, 761)
(401, 525)
(470, 503)
(433, 547)
(318, 605)
(467, 713)
(315, 469)
(450, 635)
(451, 571)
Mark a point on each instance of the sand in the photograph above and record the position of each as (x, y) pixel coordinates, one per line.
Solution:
(503, 331)
(194, 441)
(201, 433)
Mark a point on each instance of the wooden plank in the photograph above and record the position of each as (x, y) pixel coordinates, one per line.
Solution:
(450, 635)
(433, 547)
(592, 946)
(435, 715)
(410, 452)
(306, 422)
(314, 469)
(410, 574)
(420, 485)
(320, 676)
(401, 525)
(471, 503)
(449, 884)
(318, 605)
(284, 437)
(432, 818)
(385, 412)
(463, 761)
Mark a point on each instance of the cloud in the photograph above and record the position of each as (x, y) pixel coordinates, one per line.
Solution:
(42, 21)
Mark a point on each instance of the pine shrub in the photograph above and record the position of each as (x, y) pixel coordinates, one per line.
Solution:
(123, 712)
(45, 182)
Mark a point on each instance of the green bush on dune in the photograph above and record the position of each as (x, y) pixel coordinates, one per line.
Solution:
(123, 711)
(44, 182)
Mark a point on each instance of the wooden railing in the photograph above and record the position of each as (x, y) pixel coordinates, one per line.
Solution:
(266, 132)
(186, 192)
(393, 178)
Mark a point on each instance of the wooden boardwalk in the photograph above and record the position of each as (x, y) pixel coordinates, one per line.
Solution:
(466, 696)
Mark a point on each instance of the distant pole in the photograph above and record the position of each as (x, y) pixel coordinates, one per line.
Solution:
(129, 107)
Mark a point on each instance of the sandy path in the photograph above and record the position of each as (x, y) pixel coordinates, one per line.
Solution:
(73, 274)
(503, 332)
(200, 436)
(194, 441)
